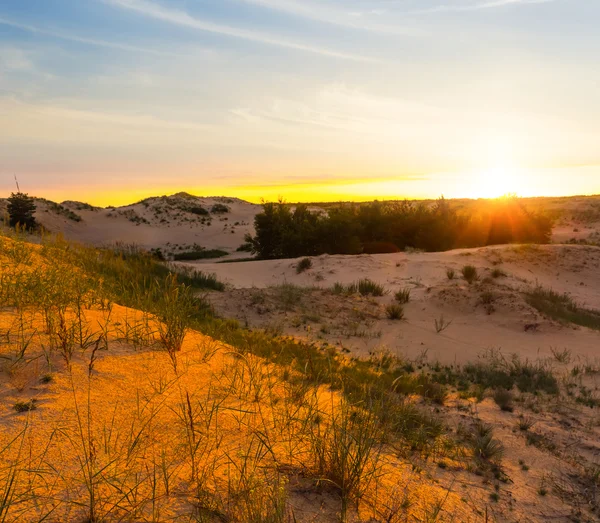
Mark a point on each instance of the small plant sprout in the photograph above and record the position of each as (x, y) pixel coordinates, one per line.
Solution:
(441, 324)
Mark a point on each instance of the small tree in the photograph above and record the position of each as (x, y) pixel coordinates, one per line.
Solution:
(21, 208)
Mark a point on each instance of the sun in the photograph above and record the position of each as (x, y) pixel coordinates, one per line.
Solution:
(497, 181)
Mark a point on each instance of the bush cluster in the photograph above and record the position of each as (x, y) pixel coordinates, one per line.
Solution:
(286, 232)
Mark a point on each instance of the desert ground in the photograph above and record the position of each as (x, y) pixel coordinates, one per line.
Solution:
(489, 313)
(299, 397)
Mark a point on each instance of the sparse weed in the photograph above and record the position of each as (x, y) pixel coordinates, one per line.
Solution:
(441, 324)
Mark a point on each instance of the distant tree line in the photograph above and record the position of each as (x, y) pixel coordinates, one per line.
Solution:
(285, 232)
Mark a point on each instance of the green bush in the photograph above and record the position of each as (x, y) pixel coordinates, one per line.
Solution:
(283, 231)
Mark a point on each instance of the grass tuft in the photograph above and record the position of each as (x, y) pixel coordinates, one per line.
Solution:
(469, 273)
(394, 311)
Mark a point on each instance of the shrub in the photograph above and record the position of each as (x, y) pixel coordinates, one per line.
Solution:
(450, 274)
(367, 287)
(25, 406)
(21, 209)
(394, 312)
(219, 208)
(203, 254)
(303, 265)
(196, 209)
(403, 296)
(244, 247)
(469, 273)
(283, 231)
(504, 399)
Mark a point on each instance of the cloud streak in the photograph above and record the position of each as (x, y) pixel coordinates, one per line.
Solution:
(83, 40)
(490, 4)
(184, 19)
(333, 16)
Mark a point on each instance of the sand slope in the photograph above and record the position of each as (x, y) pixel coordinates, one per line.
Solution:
(507, 322)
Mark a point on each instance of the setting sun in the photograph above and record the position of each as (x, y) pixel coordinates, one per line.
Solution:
(498, 181)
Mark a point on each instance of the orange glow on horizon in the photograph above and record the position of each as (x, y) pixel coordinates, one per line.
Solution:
(489, 183)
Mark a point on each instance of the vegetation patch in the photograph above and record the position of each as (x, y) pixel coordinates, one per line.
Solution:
(561, 307)
(202, 254)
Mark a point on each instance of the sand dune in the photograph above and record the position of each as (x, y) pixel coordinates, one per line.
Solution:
(506, 322)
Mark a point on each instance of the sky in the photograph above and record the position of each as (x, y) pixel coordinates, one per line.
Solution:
(110, 101)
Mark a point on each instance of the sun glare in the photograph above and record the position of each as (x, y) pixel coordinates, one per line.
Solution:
(498, 181)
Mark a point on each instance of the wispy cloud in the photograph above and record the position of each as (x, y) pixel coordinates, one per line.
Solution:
(182, 18)
(84, 40)
(478, 6)
(322, 12)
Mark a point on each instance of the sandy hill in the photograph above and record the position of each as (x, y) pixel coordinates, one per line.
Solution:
(182, 222)
(122, 398)
(176, 223)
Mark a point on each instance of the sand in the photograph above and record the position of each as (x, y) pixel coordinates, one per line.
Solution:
(511, 324)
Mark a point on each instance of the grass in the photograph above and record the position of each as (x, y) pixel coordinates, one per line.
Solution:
(469, 273)
(485, 447)
(394, 311)
(367, 287)
(450, 274)
(402, 296)
(496, 372)
(288, 296)
(562, 308)
(265, 392)
(498, 273)
(303, 265)
(441, 324)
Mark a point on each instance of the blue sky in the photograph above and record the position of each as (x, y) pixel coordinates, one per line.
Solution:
(307, 99)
